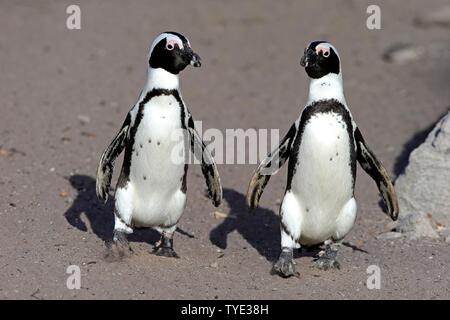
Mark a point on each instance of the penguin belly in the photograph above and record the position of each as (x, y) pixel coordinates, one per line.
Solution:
(157, 166)
(323, 180)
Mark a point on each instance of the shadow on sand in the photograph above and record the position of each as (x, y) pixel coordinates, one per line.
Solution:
(99, 215)
(260, 228)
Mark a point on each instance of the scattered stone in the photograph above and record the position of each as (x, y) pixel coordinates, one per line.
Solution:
(389, 235)
(5, 152)
(424, 190)
(447, 239)
(10, 152)
(88, 134)
(220, 215)
(64, 194)
(402, 53)
(84, 119)
(214, 265)
(436, 18)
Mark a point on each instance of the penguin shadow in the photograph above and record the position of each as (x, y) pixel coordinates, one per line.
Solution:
(99, 215)
(260, 227)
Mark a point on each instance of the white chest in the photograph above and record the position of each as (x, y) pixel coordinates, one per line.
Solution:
(160, 118)
(158, 149)
(323, 176)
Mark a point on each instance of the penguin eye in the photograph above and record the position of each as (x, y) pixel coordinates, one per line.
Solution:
(326, 54)
(170, 46)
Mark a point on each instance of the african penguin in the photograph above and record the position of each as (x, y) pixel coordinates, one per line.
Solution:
(151, 189)
(322, 146)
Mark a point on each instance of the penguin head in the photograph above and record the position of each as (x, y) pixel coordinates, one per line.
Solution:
(172, 52)
(320, 59)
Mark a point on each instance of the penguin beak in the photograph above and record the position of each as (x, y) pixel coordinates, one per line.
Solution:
(196, 61)
(309, 58)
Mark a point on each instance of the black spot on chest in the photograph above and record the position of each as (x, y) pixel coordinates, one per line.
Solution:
(316, 108)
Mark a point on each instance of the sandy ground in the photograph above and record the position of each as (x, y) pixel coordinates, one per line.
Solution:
(52, 78)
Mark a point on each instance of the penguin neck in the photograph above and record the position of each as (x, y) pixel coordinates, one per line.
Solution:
(161, 79)
(327, 87)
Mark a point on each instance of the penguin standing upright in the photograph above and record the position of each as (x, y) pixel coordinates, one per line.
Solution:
(151, 189)
(322, 146)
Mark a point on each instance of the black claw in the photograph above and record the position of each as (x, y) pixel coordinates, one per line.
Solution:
(165, 248)
(166, 252)
(327, 260)
(120, 238)
(117, 249)
(285, 265)
(326, 264)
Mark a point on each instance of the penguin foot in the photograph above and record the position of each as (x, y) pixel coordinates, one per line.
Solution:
(285, 265)
(165, 248)
(327, 259)
(166, 252)
(326, 264)
(119, 248)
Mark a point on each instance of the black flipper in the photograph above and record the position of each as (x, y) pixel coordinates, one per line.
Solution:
(268, 167)
(208, 164)
(375, 169)
(106, 165)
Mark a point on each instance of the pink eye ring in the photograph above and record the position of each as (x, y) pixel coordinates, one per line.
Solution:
(170, 46)
(326, 53)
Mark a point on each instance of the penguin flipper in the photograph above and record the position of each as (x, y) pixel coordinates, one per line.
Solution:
(268, 167)
(106, 164)
(209, 168)
(379, 174)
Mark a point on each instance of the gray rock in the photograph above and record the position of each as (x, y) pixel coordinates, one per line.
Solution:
(424, 189)
(439, 18)
(402, 53)
(389, 235)
(84, 119)
(444, 232)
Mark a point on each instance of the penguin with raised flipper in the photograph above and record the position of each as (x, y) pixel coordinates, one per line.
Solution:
(323, 146)
(151, 189)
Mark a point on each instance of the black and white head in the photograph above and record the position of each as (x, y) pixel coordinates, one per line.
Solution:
(172, 52)
(320, 59)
